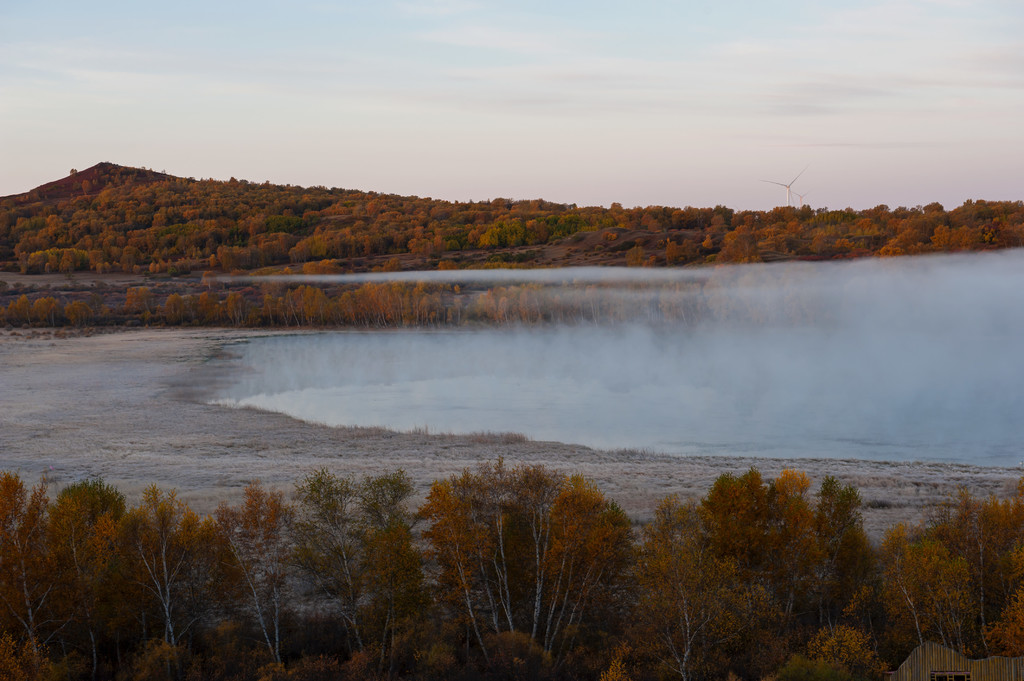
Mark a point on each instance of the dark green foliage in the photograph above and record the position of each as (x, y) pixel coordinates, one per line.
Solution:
(283, 223)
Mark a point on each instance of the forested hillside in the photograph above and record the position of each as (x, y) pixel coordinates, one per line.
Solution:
(130, 245)
(112, 218)
(502, 573)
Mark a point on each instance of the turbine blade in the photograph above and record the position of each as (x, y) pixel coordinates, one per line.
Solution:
(801, 173)
(774, 182)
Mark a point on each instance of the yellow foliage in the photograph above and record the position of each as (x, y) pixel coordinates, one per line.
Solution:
(792, 483)
(617, 669)
(635, 256)
(18, 661)
(1006, 637)
(158, 661)
(848, 648)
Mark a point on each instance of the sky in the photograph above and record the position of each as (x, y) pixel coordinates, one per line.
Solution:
(652, 102)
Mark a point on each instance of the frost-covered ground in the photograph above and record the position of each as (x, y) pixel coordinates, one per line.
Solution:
(132, 407)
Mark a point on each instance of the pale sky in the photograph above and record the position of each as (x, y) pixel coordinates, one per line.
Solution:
(647, 102)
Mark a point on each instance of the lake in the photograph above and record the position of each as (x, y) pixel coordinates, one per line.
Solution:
(886, 360)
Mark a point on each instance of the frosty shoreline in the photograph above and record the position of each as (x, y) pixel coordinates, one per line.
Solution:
(131, 407)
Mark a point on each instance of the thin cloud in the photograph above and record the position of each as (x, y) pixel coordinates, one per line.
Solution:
(438, 8)
(859, 145)
(999, 66)
(531, 43)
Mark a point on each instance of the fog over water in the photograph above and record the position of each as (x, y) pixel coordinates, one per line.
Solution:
(898, 359)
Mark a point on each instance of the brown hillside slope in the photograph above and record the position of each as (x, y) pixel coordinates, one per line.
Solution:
(87, 182)
(110, 218)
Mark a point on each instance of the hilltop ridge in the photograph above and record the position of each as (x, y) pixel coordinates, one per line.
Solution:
(87, 182)
(112, 218)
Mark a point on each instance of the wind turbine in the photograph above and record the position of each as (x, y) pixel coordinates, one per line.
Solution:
(789, 190)
(800, 198)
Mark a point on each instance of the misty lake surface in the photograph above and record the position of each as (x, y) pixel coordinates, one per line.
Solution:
(882, 360)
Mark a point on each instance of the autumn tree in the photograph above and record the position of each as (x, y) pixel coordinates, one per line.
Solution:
(468, 534)
(846, 560)
(139, 300)
(236, 308)
(44, 311)
(693, 602)
(927, 591)
(1005, 636)
(83, 527)
(635, 256)
(27, 573)
(590, 552)
(257, 535)
(738, 513)
(985, 533)
(739, 246)
(170, 549)
(392, 566)
(174, 309)
(523, 550)
(18, 310)
(208, 308)
(846, 648)
(78, 313)
(328, 545)
(807, 551)
(354, 539)
(793, 551)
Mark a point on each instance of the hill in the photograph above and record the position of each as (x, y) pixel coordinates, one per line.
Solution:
(111, 218)
(88, 182)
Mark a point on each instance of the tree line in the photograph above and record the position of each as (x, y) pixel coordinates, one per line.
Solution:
(112, 218)
(371, 305)
(383, 305)
(502, 572)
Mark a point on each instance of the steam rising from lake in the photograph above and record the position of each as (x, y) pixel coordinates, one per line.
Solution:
(877, 359)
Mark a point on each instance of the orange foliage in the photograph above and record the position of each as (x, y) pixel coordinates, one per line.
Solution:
(133, 220)
(518, 571)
